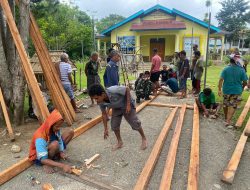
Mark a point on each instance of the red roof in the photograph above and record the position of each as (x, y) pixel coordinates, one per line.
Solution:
(163, 24)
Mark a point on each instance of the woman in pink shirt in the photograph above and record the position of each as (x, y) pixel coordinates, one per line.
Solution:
(155, 70)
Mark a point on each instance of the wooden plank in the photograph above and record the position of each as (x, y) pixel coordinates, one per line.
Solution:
(168, 105)
(14, 170)
(6, 117)
(146, 173)
(92, 159)
(230, 170)
(89, 181)
(50, 64)
(243, 114)
(24, 164)
(145, 103)
(170, 162)
(26, 66)
(193, 175)
(55, 93)
(47, 186)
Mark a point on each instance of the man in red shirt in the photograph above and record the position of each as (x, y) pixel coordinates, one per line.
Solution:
(155, 70)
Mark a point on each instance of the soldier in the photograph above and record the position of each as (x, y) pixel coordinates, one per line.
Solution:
(144, 87)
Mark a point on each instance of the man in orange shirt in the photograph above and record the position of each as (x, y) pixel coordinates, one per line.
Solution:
(155, 70)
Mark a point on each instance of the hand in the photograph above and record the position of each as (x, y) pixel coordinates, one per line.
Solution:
(219, 93)
(128, 108)
(67, 169)
(63, 156)
(106, 133)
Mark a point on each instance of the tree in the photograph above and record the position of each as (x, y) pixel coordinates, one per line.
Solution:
(11, 75)
(108, 21)
(233, 17)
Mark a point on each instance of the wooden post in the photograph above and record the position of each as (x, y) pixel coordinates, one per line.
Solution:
(170, 162)
(193, 175)
(229, 172)
(6, 117)
(243, 114)
(155, 153)
(26, 66)
(80, 79)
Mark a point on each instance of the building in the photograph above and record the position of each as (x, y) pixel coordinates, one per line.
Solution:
(159, 27)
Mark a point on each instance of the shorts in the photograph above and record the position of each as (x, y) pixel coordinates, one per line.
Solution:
(92, 79)
(68, 89)
(183, 84)
(131, 118)
(155, 77)
(231, 100)
(38, 162)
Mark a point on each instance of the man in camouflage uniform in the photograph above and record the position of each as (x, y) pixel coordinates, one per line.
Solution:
(144, 87)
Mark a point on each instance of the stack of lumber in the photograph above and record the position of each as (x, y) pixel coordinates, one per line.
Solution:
(59, 97)
(26, 66)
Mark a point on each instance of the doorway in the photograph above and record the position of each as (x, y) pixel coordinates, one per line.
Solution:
(159, 44)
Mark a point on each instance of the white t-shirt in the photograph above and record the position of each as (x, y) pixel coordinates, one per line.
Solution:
(65, 70)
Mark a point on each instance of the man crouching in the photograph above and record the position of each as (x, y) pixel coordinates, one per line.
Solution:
(48, 144)
(119, 99)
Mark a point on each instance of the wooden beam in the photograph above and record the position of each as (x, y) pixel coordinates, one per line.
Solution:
(14, 170)
(145, 103)
(47, 186)
(92, 159)
(48, 66)
(243, 114)
(170, 162)
(6, 117)
(230, 170)
(168, 105)
(26, 66)
(193, 175)
(146, 173)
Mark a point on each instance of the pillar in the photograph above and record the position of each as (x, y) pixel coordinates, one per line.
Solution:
(105, 48)
(98, 45)
(177, 43)
(222, 47)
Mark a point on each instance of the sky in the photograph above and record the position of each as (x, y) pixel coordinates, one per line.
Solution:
(102, 8)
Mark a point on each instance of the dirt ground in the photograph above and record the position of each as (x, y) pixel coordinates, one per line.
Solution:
(121, 168)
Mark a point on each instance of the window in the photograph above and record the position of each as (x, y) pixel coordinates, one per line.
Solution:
(127, 44)
(188, 44)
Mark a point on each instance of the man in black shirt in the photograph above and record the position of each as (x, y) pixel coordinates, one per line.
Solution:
(164, 74)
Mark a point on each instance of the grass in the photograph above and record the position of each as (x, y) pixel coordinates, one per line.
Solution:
(213, 75)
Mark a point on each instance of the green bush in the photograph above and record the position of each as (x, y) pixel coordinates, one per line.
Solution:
(226, 59)
(247, 58)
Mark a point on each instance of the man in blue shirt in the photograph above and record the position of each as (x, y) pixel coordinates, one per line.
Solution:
(233, 79)
(111, 75)
(119, 99)
(171, 85)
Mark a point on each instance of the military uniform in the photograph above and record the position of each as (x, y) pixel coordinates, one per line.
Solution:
(143, 89)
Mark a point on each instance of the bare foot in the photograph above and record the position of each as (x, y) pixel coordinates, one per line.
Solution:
(48, 169)
(118, 146)
(144, 144)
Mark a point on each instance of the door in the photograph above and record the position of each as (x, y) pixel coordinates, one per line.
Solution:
(159, 44)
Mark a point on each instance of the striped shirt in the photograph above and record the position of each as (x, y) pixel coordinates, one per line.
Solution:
(65, 70)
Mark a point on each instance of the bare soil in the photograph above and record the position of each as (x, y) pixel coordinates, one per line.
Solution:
(122, 167)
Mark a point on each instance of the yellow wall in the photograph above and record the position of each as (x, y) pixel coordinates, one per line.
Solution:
(143, 37)
(157, 15)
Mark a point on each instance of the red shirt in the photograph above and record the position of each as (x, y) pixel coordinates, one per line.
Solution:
(156, 62)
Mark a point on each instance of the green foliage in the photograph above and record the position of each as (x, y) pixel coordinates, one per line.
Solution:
(226, 59)
(233, 17)
(63, 27)
(247, 58)
(108, 21)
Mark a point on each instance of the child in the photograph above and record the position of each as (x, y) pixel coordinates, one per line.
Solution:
(144, 87)
(119, 99)
(206, 102)
(164, 74)
(48, 144)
